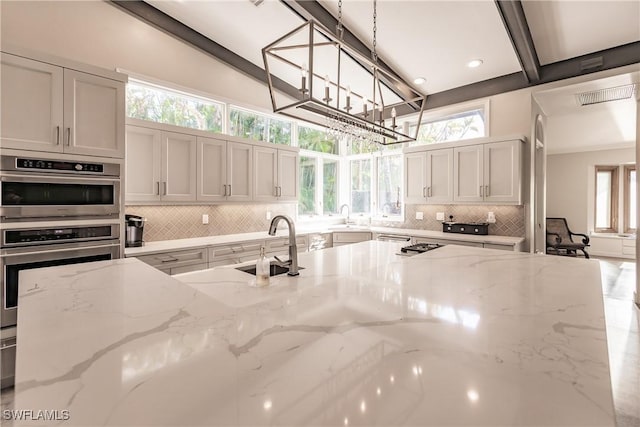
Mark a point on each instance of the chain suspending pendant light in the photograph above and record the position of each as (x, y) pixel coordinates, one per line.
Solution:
(339, 88)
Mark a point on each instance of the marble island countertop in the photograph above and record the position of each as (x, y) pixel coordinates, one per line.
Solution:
(455, 336)
(305, 229)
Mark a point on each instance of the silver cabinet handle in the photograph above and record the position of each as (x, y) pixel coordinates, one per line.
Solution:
(276, 190)
(481, 194)
(486, 191)
(229, 189)
(424, 191)
(157, 188)
(225, 190)
(68, 137)
(429, 191)
(57, 135)
(164, 188)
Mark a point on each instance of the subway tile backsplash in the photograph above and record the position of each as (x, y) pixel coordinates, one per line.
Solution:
(181, 222)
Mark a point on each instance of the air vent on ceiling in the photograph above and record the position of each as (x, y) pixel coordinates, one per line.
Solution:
(256, 2)
(606, 95)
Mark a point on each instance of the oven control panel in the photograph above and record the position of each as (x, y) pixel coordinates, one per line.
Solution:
(54, 165)
(63, 234)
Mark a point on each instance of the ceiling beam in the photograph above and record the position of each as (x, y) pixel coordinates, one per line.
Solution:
(177, 29)
(515, 22)
(607, 59)
(311, 9)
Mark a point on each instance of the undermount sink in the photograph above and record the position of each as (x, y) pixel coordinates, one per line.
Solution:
(274, 269)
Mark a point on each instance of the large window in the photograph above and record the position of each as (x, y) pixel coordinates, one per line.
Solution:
(307, 202)
(389, 177)
(162, 105)
(615, 199)
(315, 139)
(361, 186)
(606, 198)
(260, 127)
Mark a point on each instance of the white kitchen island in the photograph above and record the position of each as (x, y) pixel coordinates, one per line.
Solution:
(455, 336)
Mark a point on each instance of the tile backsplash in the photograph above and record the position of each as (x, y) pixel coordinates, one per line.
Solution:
(181, 222)
(510, 220)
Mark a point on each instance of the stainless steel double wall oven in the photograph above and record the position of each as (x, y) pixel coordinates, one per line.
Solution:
(52, 212)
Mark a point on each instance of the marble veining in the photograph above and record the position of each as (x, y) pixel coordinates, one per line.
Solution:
(455, 336)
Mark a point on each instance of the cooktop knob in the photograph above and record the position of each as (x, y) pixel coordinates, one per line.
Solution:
(78, 167)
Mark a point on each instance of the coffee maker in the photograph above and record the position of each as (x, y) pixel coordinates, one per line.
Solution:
(134, 227)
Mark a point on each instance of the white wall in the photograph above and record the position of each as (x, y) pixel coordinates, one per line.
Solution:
(100, 34)
(570, 184)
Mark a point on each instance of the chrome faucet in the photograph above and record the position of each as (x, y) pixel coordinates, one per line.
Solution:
(293, 247)
(348, 211)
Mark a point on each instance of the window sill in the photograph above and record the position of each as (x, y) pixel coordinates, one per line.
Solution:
(613, 235)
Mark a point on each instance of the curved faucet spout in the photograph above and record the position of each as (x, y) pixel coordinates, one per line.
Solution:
(293, 247)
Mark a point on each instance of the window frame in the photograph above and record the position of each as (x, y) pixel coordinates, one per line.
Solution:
(627, 198)
(319, 158)
(267, 132)
(614, 196)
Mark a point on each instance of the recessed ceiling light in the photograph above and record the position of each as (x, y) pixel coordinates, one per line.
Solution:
(419, 80)
(475, 63)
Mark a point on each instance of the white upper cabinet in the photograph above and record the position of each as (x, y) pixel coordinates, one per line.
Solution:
(439, 179)
(50, 108)
(502, 172)
(239, 172)
(161, 166)
(212, 169)
(415, 172)
(265, 166)
(143, 164)
(31, 104)
(276, 173)
(94, 111)
(468, 174)
(288, 181)
(429, 177)
(178, 167)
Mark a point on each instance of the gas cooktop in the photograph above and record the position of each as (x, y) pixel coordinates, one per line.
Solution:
(419, 248)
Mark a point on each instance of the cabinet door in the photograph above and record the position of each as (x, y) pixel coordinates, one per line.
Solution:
(467, 174)
(239, 171)
(265, 170)
(502, 172)
(94, 114)
(415, 186)
(143, 161)
(178, 167)
(212, 169)
(288, 178)
(440, 176)
(31, 104)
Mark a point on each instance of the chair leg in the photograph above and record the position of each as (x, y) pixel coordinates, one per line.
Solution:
(586, 255)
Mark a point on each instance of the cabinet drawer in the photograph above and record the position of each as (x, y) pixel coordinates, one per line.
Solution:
(351, 237)
(501, 247)
(446, 242)
(235, 250)
(189, 268)
(282, 245)
(174, 259)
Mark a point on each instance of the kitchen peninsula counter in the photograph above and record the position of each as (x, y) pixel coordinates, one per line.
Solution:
(454, 336)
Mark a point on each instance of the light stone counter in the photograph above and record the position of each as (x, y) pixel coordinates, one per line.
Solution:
(196, 242)
(455, 336)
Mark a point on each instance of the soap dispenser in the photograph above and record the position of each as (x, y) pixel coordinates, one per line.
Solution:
(262, 269)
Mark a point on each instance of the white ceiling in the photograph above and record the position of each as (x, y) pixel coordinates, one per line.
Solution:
(433, 39)
(566, 29)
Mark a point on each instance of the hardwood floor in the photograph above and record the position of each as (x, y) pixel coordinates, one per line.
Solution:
(623, 323)
(623, 338)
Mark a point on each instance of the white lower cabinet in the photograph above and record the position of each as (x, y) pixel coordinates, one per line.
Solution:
(280, 246)
(176, 262)
(347, 238)
(234, 253)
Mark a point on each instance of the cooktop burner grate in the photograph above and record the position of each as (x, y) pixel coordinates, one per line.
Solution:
(420, 248)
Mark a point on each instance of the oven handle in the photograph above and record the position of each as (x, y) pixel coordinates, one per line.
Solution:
(48, 253)
(54, 179)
